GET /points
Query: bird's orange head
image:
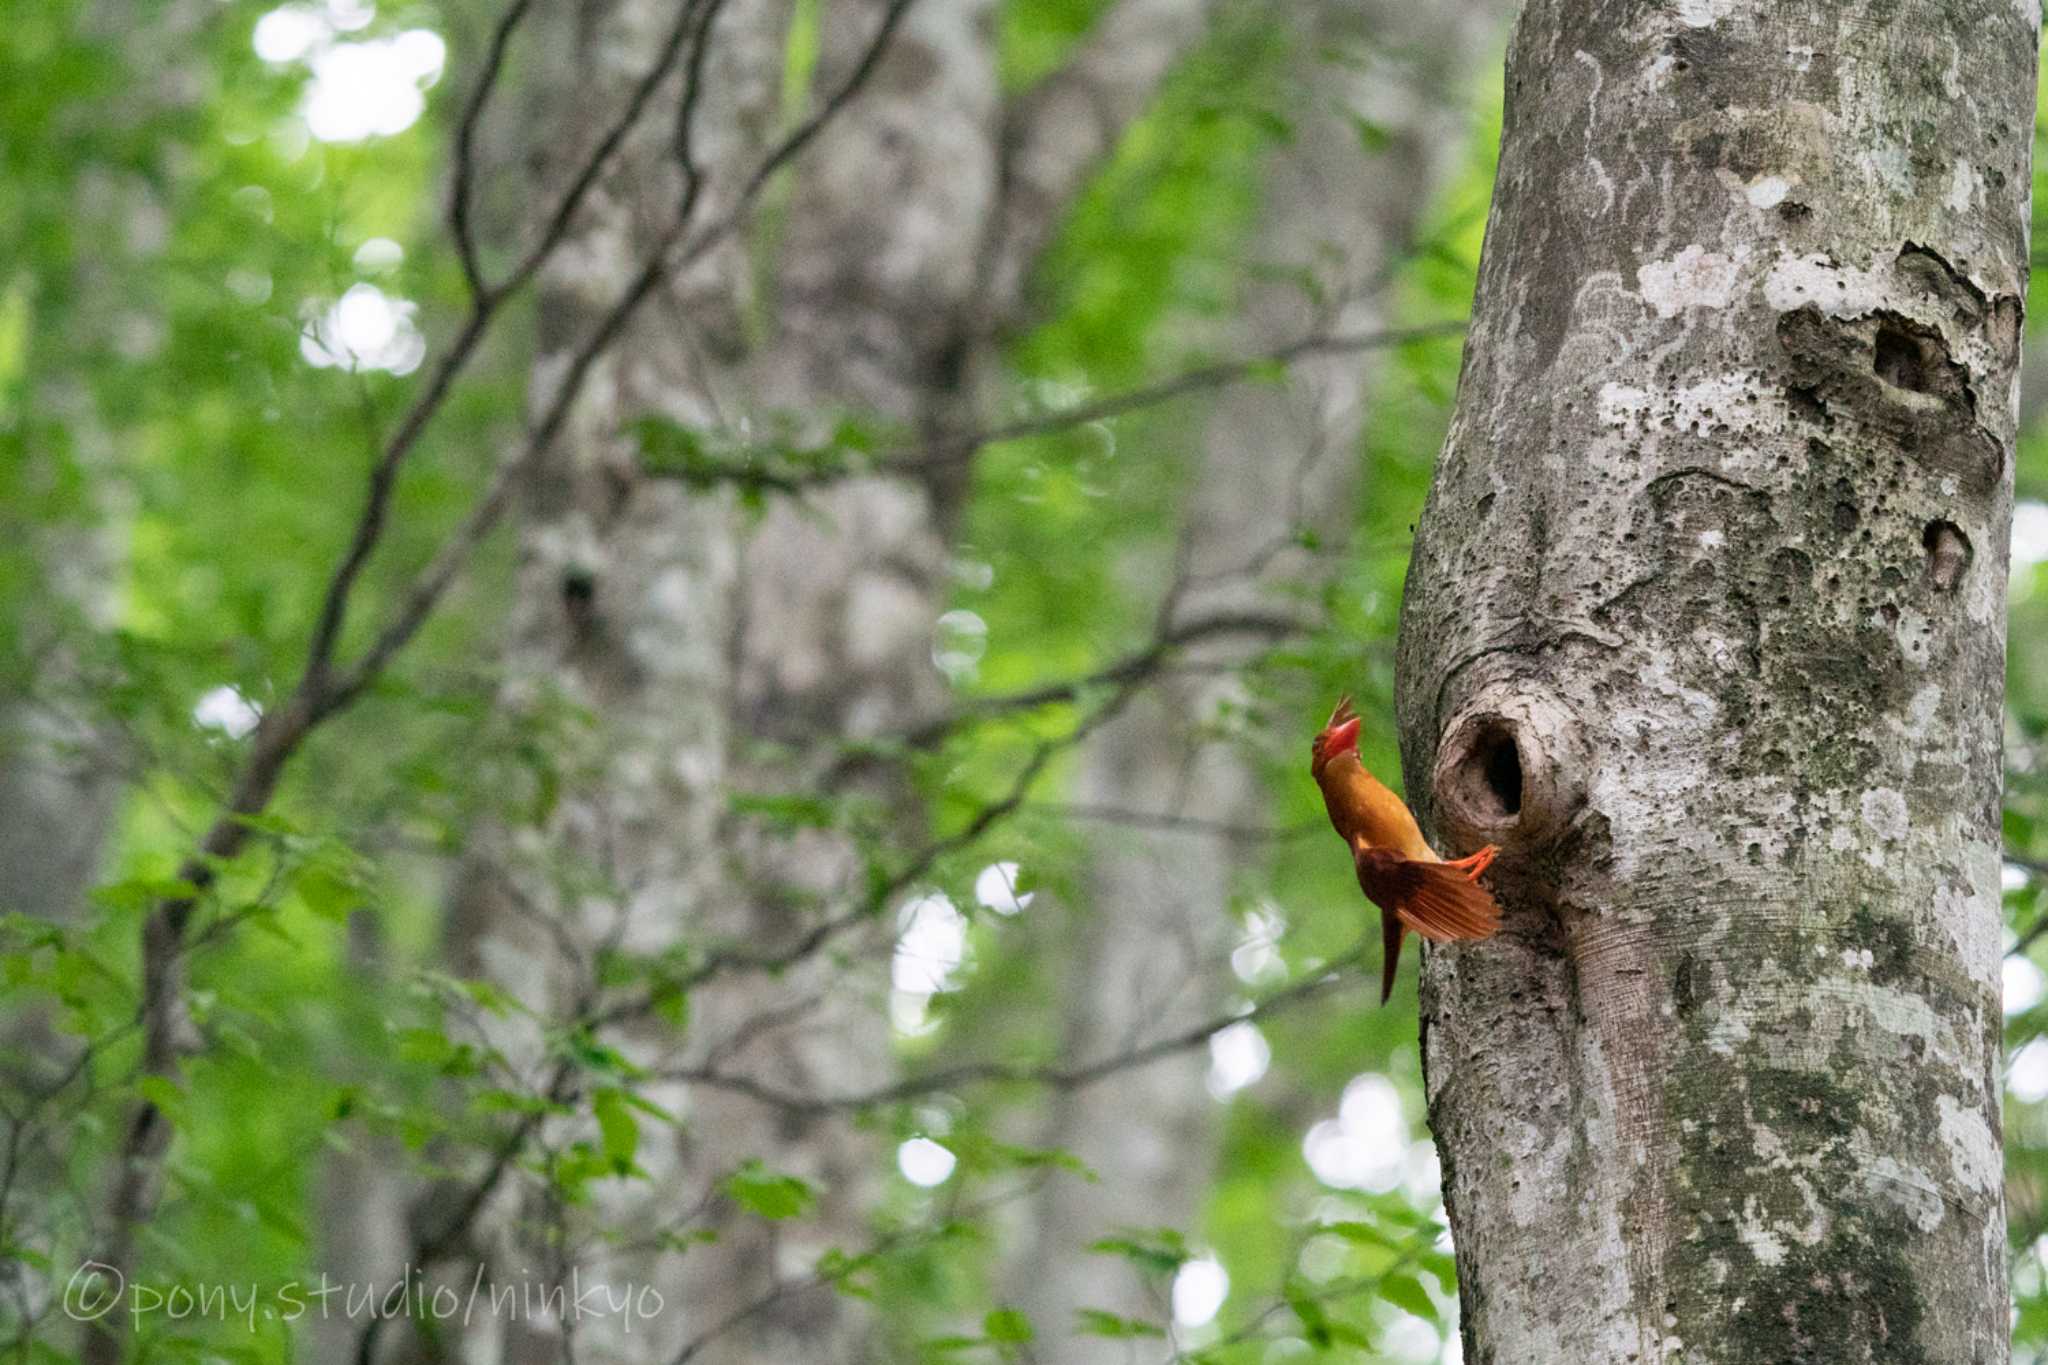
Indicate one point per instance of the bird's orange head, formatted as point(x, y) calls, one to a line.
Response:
point(1335, 739)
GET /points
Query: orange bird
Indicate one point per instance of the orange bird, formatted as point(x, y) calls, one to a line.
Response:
point(1397, 869)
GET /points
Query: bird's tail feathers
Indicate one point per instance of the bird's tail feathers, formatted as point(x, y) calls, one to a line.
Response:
point(1390, 958)
point(1448, 905)
point(1442, 902)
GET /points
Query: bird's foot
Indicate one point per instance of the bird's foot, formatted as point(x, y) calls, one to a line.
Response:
point(1476, 863)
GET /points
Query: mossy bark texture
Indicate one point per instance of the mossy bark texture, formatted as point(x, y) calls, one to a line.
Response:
point(1705, 626)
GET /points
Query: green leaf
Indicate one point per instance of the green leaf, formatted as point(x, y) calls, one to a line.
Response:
point(161, 1092)
point(494, 1100)
point(1342, 1333)
point(617, 1127)
point(1094, 1322)
point(673, 1005)
point(1406, 1292)
point(646, 1106)
point(1315, 1323)
point(1365, 1233)
point(269, 822)
point(787, 811)
point(1007, 1324)
point(950, 1345)
point(853, 434)
point(1272, 124)
point(672, 449)
point(583, 1047)
point(847, 1274)
point(140, 893)
point(28, 1256)
point(329, 894)
point(1372, 137)
point(769, 1194)
point(1157, 1251)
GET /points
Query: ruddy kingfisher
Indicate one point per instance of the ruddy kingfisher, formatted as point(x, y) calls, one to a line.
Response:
point(1414, 887)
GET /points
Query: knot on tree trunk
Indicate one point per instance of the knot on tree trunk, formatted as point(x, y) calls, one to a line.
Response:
point(1510, 770)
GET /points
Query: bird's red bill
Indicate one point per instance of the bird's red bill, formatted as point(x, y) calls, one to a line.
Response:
point(1340, 737)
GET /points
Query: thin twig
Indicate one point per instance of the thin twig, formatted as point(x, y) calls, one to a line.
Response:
point(426, 590)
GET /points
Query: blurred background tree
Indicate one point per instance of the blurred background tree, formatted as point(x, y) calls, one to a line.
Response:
point(830, 844)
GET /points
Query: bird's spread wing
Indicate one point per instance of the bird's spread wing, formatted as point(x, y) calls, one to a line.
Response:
point(1439, 901)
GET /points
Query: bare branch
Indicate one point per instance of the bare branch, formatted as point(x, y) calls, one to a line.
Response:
point(1133, 670)
point(801, 136)
point(564, 217)
point(484, 304)
point(954, 449)
point(762, 468)
point(1190, 824)
point(1133, 667)
point(465, 144)
point(1010, 1073)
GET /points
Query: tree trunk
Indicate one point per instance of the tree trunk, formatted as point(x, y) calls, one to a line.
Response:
point(1705, 626)
point(1149, 954)
point(694, 636)
point(616, 651)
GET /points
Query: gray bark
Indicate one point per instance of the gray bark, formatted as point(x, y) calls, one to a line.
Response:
point(59, 773)
point(1149, 950)
point(57, 792)
point(1705, 626)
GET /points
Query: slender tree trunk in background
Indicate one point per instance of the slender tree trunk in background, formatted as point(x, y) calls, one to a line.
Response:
point(58, 784)
point(909, 242)
point(1149, 953)
point(691, 636)
point(59, 780)
point(1705, 626)
point(623, 612)
point(833, 637)
point(64, 527)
